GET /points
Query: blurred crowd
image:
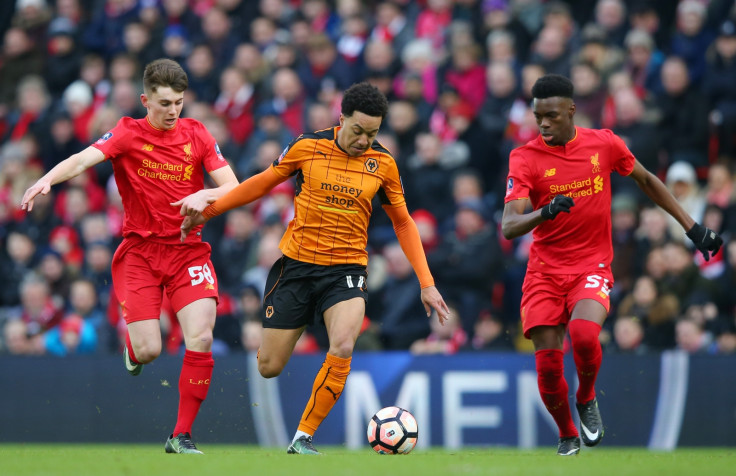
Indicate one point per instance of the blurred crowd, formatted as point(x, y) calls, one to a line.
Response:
point(458, 74)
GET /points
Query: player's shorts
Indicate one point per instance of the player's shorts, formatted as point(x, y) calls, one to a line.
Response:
point(549, 299)
point(142, 270)
point(297, 293)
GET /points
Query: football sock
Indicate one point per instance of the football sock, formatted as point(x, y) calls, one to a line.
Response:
point(586, 349)
point(326, 390)
point(553, 389)
point(194, 382)
point(131, 354)
point(298, 435)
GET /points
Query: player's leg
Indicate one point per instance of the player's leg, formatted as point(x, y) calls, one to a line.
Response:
point(197, 320)
point(553, 387)
point(590, 302)
point(142, 344)
point(276, 348)
point(140, 295)
point(544, 317)
point(192, 288)
point(343, 322)
point(584, 328)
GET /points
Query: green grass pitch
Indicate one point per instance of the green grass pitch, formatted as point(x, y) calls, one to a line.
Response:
point(222, 460)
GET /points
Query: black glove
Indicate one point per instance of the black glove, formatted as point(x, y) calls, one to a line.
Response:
point(559, 203)
point(705, 239)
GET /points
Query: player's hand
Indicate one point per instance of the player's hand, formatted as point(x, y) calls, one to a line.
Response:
point(190, 221)
point(194, 203)
point(559, 203)
point(432, 299)
point(705, 239)
point(43, 187)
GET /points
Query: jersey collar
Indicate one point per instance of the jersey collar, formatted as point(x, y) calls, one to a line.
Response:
point(563, 145)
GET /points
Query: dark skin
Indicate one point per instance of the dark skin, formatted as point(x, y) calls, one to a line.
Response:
point(556, 126)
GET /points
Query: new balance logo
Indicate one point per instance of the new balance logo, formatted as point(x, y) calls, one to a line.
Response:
point(550, 172)
point(147, 147)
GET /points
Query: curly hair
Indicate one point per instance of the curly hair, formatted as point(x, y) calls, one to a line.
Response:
point(365, 98)
point(552, 85)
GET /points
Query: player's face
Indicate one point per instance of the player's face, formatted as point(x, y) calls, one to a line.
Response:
point(164, 106)
point(357, 133)
point(554, 119)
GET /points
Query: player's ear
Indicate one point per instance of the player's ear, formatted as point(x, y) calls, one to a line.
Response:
point(144, 100)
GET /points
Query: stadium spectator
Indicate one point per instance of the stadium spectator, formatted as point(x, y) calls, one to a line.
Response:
point(692, 38)
point(32, 114)
point(203, 75)
point(656, 310)
point(19, 259)
point(682, 181)
point(628, 336)
point(53, 270)
point(104, 33)
point(64, 60)
point(490, 334)
point(467, 261)
point(398, 315)
point(391, 26)
point(445, 339)
point(235, 104)
point(73, 335)
point(683, 112)
point(21, 57)
point(719, 76)
point(643, 61)
point(638, 132)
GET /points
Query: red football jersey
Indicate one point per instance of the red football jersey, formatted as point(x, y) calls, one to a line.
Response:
point(154, 168)
point(581, 240)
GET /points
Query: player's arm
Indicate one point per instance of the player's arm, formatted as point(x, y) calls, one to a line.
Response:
point(244, 193)
point(660, 194)
point(516, 223)
point(224, 178)
point(408, 236)
point(74, 165)
point(705, 239)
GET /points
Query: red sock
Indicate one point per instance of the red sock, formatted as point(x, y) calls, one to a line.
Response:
point(586, 349)
point(553, 389)
point(131, 354)
point(194, 382)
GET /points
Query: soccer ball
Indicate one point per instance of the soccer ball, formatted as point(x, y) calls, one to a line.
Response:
point(392, 430)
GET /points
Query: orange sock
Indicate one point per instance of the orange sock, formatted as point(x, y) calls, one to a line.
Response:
point(327, 389)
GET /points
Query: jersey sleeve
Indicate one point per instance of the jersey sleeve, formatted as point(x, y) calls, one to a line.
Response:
point(518, 184)
point(290, 159)
point(623, 159)
point(115, 141)
point(391, 192)
point(212, 158)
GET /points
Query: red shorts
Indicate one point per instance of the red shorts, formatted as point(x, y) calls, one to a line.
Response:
point(142, 270)
point(548, 299)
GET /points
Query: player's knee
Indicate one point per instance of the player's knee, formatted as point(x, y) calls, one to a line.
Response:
point(146, 353)
point(344, 349)
point(200, 342)
point(268, 368)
